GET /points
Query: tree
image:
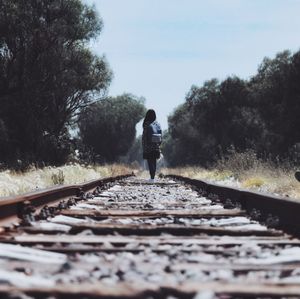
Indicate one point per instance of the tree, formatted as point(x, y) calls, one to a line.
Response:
point(292, 108)
point(261, 115)
point(47, 74)
point(214, 118)
point(108, 126)
point(270, 89)
point(135, 153)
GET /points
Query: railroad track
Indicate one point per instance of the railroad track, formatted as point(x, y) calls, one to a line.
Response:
point(126, 238)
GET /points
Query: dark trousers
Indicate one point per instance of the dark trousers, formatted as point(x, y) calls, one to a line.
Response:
point(152, 167)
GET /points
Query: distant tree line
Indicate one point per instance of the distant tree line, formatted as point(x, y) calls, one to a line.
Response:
point(50, 82)
point(107, 127)
point(47, 75)
point(261, 114)
point(48, 78)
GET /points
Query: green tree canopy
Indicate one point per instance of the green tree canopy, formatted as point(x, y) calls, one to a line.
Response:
point(108, 126)
point(261, 114)
point(47, 73)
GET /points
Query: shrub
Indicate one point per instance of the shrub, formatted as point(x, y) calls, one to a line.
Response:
point(58, 178)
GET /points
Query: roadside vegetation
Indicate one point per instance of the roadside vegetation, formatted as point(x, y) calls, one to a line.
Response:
point(13, 183)
point(52, 86)
point(260, 114)
point(242, 133)
point(55, 110)
point(247, 171)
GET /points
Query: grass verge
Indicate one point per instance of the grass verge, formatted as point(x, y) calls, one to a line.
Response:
point(245, 170)
point(13, 183)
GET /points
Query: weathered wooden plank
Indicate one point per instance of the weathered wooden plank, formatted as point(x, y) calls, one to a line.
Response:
point(149, 240)
point(156, 213)
point(16, 252)
point(233, 267)
point(145, 182)
point(167, 203)
point(140, 290)
point(140, 248)
point(97, 290)
point(275, 263)
point(243, 289)
point(174, 229)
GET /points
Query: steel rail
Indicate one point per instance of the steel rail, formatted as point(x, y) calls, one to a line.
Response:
point(11, 206)
point(260, 206)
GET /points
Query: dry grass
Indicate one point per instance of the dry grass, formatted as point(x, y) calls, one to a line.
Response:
point(225, 177)
point(12, 183)
point(247, 171)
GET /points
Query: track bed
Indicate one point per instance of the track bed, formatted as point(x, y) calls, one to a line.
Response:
point(141, 240)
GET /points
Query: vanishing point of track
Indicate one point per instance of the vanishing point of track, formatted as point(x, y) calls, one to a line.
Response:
point(126, 238)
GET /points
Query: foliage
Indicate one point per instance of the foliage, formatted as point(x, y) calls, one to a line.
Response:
point(261, 114)
point(254, 173)
point(108, 126)
point(47, 75)
point(135, 153)
point(253, 182)
point(12, 182)
point(238, 161)
point(58, 178)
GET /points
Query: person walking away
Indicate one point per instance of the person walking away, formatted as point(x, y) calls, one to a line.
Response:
point(151, 139)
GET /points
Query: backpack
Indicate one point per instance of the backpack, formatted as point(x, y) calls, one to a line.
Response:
point(155, 133)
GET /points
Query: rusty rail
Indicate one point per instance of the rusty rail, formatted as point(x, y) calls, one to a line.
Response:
point(283, 211)
point(12, 206)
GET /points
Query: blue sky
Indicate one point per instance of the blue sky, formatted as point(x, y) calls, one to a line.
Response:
point(159, 48)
